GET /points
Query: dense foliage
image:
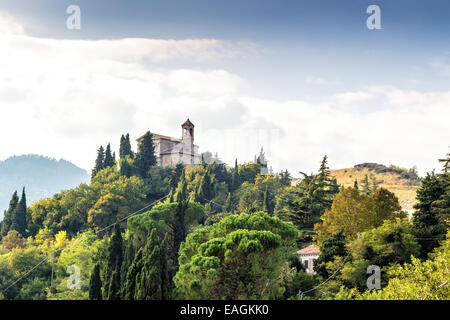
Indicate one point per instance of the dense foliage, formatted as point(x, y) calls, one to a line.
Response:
point(139, 231)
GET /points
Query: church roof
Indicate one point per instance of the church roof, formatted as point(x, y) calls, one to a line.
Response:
point(160, 136)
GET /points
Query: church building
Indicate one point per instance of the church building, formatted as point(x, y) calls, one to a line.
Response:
point(170, 151)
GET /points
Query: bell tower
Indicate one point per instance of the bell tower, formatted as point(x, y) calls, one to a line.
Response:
point(188, 130)
point(188, 140)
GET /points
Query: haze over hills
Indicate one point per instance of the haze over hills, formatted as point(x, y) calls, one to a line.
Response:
point(41, 176)
point(403, 182)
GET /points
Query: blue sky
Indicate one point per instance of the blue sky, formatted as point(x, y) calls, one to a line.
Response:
point(298, 59)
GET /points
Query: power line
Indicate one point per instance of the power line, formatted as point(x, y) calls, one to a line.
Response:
point(82, 238)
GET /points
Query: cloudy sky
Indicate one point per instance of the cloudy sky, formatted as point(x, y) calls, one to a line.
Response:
point(300, 78)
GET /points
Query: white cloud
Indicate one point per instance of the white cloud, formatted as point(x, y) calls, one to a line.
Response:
point(64, 98)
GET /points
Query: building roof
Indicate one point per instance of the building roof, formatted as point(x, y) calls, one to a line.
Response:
point(188, 123)
point(160, 136)
point(309, 250)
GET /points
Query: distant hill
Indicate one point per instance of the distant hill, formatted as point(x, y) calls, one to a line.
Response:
point(41, 176)
point(403, 182)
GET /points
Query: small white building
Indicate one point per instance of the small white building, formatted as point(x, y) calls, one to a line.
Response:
point(307, 256)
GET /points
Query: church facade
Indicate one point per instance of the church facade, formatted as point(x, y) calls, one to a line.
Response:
point(171, 151)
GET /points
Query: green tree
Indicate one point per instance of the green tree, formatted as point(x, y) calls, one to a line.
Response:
point(19, 215)
point(145, 157)
point(125, 147)
point(99, 161)
point(8, 216)
point(126, 166)
point(285, 178)
point(354, 212)
point(109, 160)
point(428, 224)
point(153, 278)
point(333, 246)
point(235, 178)
point(95, 284)
point(114, 263)
point(114, 286)
point(228, 206)
point(241, 257)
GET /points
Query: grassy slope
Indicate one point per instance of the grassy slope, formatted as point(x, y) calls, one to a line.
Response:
point(389, 180)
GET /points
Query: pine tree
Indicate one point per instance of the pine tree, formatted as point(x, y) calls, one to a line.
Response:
point(428, 225)
point(99, 162)
point(95, 284)
point(8, 216)
point(145, 158)
point(19, 216)
point(109, 159)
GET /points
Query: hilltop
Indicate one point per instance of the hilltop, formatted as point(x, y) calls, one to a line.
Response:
point(403, 182)
point(41, 176)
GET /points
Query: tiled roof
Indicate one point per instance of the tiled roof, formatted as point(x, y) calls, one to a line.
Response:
point(310, 250)
point(160, 136)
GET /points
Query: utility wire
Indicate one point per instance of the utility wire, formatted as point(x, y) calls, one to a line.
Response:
point(82, 238)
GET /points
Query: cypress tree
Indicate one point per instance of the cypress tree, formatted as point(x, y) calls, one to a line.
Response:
point(99, 162)
point(109, 159)
point(125, 147)
point(95, 284)
point(153, 277)
point(182, 204)
point(8, 216)
point(114, 286)
point(115, 258)
point(126, 167)
point(266, 206)
point(19, 216)
point(235, 179)
point(227, 207)
point(145, 158)
point(205, 191)
point(129, 289)
point(128, 258)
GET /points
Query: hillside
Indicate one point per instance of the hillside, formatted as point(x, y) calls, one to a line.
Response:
point(403, 182)
point(41, 177)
